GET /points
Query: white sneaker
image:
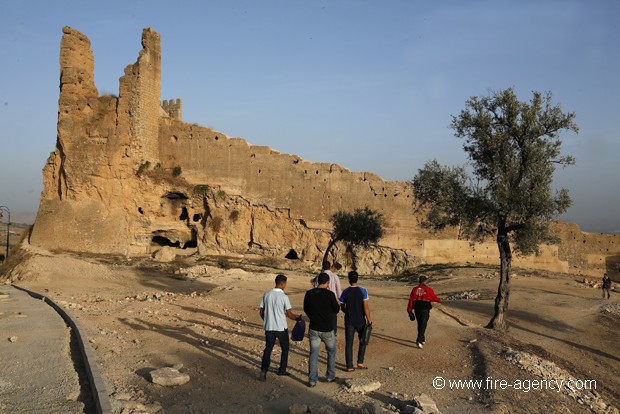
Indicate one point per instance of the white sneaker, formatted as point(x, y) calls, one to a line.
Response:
point(420, 345)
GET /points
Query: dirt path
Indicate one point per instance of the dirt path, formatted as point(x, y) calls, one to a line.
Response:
point(140, 320)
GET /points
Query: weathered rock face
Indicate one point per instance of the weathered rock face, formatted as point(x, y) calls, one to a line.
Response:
point(128, 176)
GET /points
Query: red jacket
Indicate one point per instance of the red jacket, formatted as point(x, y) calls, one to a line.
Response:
point(422, 293)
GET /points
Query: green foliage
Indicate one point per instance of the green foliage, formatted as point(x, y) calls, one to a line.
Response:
point(176, 171)
point(362, 227)
point(234, 215)
point(513, 148)
point(221, 195)
point(201, 189)
point(142, 168)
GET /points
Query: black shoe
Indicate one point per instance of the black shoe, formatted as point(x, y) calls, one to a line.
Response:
point(332, 379)
point(284, 374)
point(312, 384)
point(263, 376)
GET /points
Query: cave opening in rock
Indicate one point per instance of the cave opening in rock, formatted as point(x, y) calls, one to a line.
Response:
point(184, 214)
point(292, 255)
point(164, 241)
point(193, 243)
point(175, 196)
point(197, 217)
point(190, 244)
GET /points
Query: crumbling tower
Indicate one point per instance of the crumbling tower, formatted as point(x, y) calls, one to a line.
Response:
point(173, 108)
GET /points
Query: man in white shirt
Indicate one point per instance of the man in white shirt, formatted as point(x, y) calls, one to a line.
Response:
point(275, 307)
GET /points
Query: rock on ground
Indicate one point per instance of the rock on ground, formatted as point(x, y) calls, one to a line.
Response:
point(168, 377)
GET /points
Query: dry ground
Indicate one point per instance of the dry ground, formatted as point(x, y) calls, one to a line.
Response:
point(140, 316)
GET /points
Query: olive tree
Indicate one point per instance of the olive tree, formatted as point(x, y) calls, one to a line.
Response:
point(505, 190)
point(362, 227)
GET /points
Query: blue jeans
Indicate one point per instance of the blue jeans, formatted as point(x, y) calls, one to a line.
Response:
point(329, 338)
point(270, 341)
point(350, 331)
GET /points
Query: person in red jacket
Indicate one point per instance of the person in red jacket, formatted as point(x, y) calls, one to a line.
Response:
point(420, 307)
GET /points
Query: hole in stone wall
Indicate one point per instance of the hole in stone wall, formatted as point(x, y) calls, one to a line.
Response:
point(184, 214)
point(197, 217)
point(164, 241)
point(193, 243)
point(292, 255)
point(175, 196)
point(140, 210)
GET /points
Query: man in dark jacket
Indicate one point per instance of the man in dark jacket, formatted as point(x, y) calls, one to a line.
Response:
point(354, 303)
point(321, 306)
point(606, 286)
point(420, 307)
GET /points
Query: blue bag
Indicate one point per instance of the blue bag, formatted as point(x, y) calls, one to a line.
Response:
point(299, 331)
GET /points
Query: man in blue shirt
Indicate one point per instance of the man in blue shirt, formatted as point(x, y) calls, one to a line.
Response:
point(354, 301)
point(275, 307)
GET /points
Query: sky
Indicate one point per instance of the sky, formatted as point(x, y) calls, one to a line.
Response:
point(369, 85)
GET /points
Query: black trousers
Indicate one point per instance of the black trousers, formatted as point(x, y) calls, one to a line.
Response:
point(270, 341)
point(422, 315)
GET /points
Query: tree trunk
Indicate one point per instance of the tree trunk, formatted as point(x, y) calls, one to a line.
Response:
point(498, 322)
point(329, 248)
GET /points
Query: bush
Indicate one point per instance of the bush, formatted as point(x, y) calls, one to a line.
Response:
point(176, 171)
point(201, 189)
point(143, 167)
point(234, 215)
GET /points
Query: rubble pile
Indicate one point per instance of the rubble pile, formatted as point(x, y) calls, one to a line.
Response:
point(581, 390)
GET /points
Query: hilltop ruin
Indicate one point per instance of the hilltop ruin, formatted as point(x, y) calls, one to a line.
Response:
point(129, 177)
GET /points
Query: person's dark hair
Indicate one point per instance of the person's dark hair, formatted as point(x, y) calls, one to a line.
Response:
point(423, 279)
point(280, 279)
point(322, 278)
point(327, 265)
point(353, 276)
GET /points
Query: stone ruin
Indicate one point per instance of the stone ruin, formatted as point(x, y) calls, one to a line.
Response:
point(129, 177)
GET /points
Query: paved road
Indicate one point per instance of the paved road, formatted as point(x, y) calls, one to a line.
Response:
point(37, 373)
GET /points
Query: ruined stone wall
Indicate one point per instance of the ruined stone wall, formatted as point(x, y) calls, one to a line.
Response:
point(173, 108)
point(89, 180)
point(589, 253)
point(144, 79)
point(110, 187)
point(312, 192)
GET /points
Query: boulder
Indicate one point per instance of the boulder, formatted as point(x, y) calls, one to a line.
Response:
point(362, 385)
point(168, 377)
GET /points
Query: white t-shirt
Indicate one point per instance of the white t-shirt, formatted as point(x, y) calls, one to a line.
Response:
point(275, 303)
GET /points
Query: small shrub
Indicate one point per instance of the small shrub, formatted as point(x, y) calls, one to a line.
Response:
point(201, 189)
point(176, 171)
point(234, 215)
point(142, 168)
point(221, 194)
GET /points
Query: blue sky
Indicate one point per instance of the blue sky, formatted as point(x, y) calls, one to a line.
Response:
point(370, 85)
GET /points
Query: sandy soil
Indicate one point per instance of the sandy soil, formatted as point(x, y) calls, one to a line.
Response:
point(142, 316)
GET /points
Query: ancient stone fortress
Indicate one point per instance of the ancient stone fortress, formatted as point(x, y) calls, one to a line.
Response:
point(129, 177)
